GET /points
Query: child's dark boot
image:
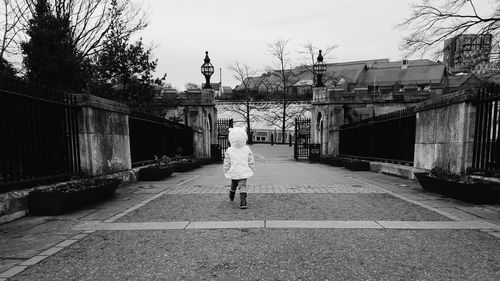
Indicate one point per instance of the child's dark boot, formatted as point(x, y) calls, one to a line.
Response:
point(232, 192)
point(243, 200)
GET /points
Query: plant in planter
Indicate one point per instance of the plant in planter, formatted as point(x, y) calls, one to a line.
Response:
point(186, 164)
point(462, 187)
point(59, 198)
point(356, 165)
point(332, 161)
point(206, 161)
point(163, 168)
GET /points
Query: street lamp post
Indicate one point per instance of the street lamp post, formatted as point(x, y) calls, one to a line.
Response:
point(319, 68)
point(207, 69)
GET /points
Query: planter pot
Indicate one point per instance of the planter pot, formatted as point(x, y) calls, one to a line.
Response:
point(204, 161)
point(356, 165)
point(155, 173)
point(477, 192)
point(64, 198)
point(332, 161)
point(182, 167)
point(208, 161)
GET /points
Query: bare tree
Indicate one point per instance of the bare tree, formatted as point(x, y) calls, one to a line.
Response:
point(274, 117)
point(243, 74)
point(283, 66)
point(11, 27)
point(90, 21)
point(249, 111)
point(431, 23)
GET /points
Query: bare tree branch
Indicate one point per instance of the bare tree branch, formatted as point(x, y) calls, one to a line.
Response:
point(11, 27)
point(431, 23)
point(295, 110)
point(90, 21)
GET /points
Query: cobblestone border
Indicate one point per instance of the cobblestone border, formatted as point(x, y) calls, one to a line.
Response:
point(185, 225)
point(281, 188)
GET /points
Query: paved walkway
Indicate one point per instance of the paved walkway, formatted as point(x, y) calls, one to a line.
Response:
point(304, 222)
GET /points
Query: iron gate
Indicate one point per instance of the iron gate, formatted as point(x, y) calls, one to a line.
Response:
point(222, 144)
point(302, 138)
point(486, 155)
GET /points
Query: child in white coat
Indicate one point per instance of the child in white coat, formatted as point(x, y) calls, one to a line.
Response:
point(239, 164)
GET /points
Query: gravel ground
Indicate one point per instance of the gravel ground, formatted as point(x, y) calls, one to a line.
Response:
point(216, 207)
point(264, 254)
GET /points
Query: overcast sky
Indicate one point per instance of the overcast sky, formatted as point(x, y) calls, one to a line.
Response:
point(230, 30)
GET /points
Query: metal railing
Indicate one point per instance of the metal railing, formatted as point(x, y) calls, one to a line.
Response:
point(486, 153)
point(388, 137)
point(223, 126)
point(301, 147)
point(151, 137)
point(38, 133)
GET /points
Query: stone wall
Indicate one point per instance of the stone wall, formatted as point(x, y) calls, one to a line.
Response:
point(103, 135)
point(445, 132)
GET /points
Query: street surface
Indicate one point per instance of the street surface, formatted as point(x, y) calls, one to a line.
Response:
point(303, 222)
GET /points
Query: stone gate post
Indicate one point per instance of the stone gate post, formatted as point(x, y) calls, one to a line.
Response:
point(198, 108)
point(444, 134)
point(103, 135)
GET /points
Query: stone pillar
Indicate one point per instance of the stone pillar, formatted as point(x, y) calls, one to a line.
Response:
point(332, 116)
point(103, 135)
point(335, 120)
point(444, 134)
point(318, 118)
point(201, 115)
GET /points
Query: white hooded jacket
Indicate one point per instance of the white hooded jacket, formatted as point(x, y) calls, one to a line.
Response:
point(238, 159)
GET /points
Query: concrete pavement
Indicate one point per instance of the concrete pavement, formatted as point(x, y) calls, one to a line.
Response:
point(304, 222)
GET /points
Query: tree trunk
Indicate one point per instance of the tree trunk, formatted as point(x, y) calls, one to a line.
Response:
point(249, 130)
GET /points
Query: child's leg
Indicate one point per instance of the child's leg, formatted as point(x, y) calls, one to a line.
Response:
point(242, 184)
point(234, 185)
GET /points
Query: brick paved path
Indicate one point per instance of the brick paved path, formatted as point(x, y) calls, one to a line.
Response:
point(304, 222)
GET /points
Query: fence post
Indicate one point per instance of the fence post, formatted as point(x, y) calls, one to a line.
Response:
point(104, 135)
point(446, 142)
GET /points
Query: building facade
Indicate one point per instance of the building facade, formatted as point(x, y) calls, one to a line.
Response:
point(378, 88)
point(465, 52)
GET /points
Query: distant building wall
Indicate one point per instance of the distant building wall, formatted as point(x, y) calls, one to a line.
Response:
point(464, 52)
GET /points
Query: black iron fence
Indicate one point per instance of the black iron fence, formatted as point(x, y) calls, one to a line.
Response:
point(152, 137)
point(388, 137)
point(223, 126)
point(486, 153)
point(301, 147)
point(38, 135)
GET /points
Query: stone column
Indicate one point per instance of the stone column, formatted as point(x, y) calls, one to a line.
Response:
point(444, 134)
point(335, 120)
point(199, 106)
point(103, 136)
point(332, 114)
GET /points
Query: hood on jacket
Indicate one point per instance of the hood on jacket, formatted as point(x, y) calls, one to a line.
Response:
point(237, 137)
